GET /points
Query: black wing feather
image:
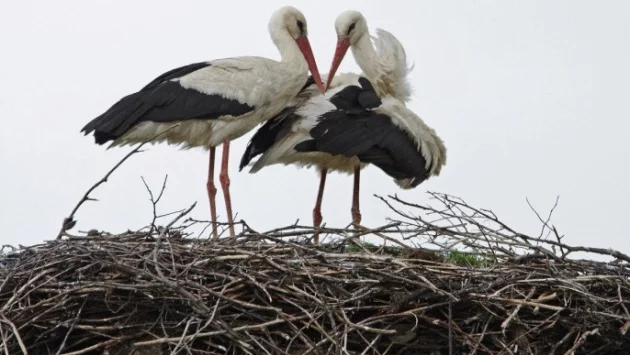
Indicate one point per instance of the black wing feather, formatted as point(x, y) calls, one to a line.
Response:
point(162, 100)
point(368, 98)
point(353, 129)
point(339, 133)
point(272, 130)
point(176, 73)
point(268, 134)
point(374, 139)
point(354, 99)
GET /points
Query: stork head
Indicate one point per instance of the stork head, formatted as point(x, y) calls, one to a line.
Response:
point(290, 20)
point(350, 27)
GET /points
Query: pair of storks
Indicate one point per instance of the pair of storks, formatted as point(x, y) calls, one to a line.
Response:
point(354, 121)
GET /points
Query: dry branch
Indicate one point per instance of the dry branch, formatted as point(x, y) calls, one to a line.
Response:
point(69, 222)
point(458, 281)
point(483, 289)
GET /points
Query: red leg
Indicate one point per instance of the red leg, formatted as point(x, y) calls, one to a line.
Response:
point(212, 192)
point(317, 211)
point(225, 184)
point(356, 213)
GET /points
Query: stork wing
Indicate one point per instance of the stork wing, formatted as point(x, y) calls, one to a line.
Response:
point(175, 73)
point(355, 130)
point(276, 128)
point(187, 92)
point(373, 138)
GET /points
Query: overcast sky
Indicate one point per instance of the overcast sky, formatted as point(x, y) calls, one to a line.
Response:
point(531, 98)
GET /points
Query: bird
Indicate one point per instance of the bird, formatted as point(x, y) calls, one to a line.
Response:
point(382, 58)
point(354, 123)
point(345, 130)
point(209, 103)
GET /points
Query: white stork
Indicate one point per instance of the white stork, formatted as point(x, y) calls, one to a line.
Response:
point(385, 65)
point(354, 124)
point(215, 102)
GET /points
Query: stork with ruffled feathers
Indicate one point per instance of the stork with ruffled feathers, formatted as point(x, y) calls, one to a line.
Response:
point(360, 120)
point(382, 58)
point(215, 102)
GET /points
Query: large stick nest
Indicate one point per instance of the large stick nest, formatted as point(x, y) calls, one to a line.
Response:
point(159, 290)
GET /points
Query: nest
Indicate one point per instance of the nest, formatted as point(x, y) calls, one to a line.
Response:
point(475, 287)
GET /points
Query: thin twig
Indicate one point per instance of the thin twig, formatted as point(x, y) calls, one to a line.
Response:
point(69, 222)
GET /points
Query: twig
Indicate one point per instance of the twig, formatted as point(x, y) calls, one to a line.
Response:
point(71, 328)
point(16, 333)
point(483, 288)
point(69, 222)
point(581, 341)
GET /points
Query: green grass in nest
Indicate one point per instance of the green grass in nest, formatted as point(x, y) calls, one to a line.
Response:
point(455, 257)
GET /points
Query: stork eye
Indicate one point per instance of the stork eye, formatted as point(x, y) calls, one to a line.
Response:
point(351, 27)
point(300, 25)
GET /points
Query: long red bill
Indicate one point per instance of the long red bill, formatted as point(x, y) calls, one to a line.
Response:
point(307, 52)
point(343, 43)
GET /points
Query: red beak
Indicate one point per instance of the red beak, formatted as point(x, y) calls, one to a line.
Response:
point(307, 52)
point(343, 43)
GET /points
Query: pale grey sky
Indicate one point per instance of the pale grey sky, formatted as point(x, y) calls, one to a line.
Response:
point(531, 98)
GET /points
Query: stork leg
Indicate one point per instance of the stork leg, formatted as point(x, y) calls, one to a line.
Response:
point(225, 185)
point(212, 192)
point(356, 212)
point(317, 211)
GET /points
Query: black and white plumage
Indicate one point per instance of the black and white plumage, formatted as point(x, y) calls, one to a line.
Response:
point(349, 123)
point(346, 129)
point(314, 127)
point(214, 102)
point(158, 105)
point(370, 136)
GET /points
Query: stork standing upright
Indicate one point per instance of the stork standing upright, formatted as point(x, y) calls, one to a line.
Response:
point(354, 123)
point(215, 102)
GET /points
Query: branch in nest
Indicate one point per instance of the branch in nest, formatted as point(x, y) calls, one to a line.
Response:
point(69, 222)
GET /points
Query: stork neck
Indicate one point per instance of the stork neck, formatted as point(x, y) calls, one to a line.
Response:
point(290, 53)
point(365, 56)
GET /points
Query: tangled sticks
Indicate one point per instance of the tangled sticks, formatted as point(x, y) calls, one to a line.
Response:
point(159, 291)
